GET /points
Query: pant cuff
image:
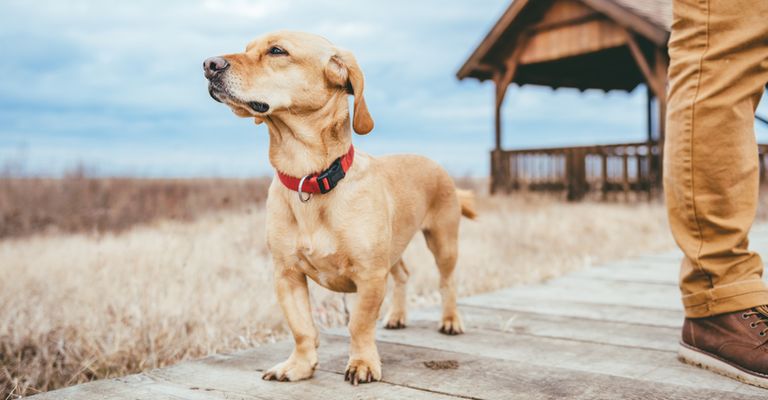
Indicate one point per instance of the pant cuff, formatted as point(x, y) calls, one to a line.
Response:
point(727, 298)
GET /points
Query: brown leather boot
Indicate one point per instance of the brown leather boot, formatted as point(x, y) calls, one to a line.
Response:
point(733, 344)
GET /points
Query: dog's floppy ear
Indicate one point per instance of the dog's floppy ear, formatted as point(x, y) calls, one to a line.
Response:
point(342, 70)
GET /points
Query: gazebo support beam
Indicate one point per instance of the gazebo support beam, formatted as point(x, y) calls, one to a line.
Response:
point(655, 75)
point(660, 71)
point(502, 79)
point(651, 78)
point(649, 113)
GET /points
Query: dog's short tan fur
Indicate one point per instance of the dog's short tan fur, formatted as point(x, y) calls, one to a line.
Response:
point(351, 238)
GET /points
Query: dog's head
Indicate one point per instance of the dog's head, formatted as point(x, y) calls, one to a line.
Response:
point(287, 72)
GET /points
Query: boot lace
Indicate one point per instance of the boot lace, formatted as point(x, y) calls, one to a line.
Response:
point(762, 318)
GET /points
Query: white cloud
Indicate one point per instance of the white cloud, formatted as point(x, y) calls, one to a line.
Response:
point(116, 81)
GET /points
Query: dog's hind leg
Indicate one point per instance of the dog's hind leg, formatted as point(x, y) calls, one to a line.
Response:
point(442, 239)
point(397, 309)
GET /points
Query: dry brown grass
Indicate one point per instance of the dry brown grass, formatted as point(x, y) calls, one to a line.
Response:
point(78, 203)
point(76, 307)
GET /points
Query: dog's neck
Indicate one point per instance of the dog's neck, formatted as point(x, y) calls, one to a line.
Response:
point(303, 143)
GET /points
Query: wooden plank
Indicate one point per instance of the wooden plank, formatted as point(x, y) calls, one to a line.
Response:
point(598, 292)
point(600, 312)
point(619, 361)
point(632, 273)
point(241, 376)
point(654, 272)
point(489, 378)
point(627, 18)
point(238, 376)
point(563, 11)
point(405, 376)
point(670, 257)
point(582, 37)
point(132, 387)
point(619, 333)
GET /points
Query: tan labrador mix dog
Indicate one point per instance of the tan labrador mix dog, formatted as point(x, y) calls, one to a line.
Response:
point(340, 217)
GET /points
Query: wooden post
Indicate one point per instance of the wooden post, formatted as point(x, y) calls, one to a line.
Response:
point(656, 79)
point(649, 113)
point(576, 180)
point(650, 174)
point(494, 170)
point(605, 175)
point(651, 76)
point(502, 78)
point(640, 182)
point(625, 174)
point(583, 184)
point(661, 65)
point(498, 101)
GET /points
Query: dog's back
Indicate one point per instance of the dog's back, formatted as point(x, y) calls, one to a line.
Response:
point(415, 180)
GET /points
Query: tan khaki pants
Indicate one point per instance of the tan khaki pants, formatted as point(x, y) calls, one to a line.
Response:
point(718, 69)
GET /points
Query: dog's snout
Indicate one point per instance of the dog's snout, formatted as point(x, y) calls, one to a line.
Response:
point(214, 66)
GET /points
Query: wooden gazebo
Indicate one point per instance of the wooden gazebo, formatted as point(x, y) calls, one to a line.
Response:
point(582, 44)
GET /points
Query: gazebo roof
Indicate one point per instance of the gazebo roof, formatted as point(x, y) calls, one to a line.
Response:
point(657, 12)
point(573, 43)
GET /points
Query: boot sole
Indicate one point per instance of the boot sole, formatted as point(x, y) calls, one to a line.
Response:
point(699, 358)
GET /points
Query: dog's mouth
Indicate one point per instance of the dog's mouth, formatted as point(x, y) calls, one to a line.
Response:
point(215, 92)
point(222, 95)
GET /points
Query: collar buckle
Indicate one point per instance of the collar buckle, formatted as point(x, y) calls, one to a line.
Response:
point(328, 179)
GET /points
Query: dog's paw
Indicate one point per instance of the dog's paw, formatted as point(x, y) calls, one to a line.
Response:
point(395, 320)
point(452, 325)
point(361, 371)
point(290, 370)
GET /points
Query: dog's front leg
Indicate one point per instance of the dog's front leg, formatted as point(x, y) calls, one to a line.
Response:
point(364, 364)
point(293, 295)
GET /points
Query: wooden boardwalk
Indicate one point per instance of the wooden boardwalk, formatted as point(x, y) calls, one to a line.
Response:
point(608, 332)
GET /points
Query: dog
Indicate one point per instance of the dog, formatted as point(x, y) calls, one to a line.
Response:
point(334, 214)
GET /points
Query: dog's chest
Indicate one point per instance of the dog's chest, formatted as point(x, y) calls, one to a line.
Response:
point(322, 259)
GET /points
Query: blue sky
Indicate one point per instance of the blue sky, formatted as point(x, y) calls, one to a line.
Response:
point(118, 85)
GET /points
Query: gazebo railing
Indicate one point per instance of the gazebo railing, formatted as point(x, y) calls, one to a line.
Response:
point(627, 170)
point(616, 168)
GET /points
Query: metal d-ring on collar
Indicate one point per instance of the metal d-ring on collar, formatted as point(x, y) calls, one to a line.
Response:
point(299, 192)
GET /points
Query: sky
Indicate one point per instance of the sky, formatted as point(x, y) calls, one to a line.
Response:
point(117, 86)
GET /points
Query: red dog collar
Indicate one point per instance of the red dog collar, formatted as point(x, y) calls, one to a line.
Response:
point(322, 182)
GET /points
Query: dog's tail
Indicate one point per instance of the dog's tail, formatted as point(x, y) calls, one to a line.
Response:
point(467, 202)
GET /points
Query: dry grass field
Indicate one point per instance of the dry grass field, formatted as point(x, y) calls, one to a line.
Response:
point(78, 203)
point(77, 306)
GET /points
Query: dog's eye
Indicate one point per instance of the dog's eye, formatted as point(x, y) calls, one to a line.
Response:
point(275, 50)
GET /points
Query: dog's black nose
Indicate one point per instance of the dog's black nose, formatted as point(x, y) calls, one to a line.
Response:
point(214, 66)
